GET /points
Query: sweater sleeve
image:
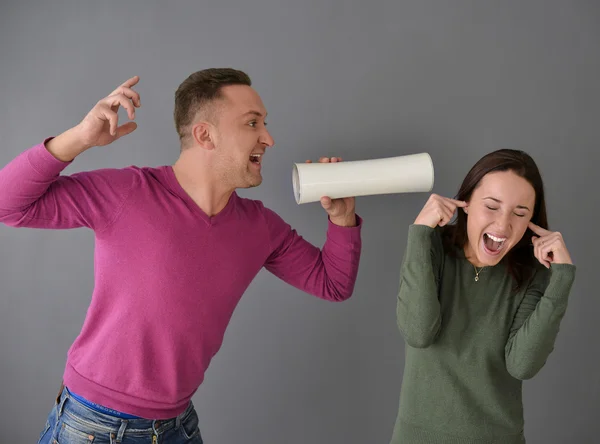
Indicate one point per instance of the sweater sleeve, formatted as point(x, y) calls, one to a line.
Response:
point(329, 273)
point(418, 307)
point(537, 320)
point(33, 193)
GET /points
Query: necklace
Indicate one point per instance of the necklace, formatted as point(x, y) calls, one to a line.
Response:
point(477, 272)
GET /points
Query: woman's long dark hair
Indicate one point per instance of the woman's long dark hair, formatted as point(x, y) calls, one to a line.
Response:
point(520, 259)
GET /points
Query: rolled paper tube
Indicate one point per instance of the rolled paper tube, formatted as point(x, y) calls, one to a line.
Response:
point(402, 174)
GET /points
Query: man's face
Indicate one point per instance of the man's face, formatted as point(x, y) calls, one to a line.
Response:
point(498, 213)
point(241, 137)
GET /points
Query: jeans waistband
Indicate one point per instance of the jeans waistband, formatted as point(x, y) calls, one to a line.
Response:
point(107, 423)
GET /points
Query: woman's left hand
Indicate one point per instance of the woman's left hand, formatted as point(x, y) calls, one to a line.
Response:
point(549, 246)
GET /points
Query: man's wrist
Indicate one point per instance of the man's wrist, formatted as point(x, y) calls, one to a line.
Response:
point(66, 146)
point(344, 221)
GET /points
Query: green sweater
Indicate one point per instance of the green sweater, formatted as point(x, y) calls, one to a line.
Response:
point(470, 344)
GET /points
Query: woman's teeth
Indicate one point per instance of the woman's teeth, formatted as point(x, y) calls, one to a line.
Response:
point(493, 243)
point(496, 239)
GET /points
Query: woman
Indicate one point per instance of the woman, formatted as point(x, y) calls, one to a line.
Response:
point(479, 305)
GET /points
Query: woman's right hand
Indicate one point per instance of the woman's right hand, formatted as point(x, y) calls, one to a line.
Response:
point(438, 210)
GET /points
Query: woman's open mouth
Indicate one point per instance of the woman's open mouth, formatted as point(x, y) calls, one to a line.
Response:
point(493, 244)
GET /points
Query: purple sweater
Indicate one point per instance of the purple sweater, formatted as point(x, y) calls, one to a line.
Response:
point(167, 276)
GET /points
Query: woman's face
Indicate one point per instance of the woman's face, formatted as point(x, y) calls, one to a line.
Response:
point(497, 216)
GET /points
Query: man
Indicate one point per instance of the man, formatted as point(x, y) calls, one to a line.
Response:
point(176, 248)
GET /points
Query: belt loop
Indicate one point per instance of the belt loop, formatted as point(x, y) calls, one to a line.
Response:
point(177, 421)
point(61, 404)
point(60, 391)
point(121, 430)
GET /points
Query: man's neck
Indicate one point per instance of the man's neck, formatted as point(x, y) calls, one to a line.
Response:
point(206, 190)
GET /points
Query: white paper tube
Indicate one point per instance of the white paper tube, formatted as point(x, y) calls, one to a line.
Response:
point(402, 174)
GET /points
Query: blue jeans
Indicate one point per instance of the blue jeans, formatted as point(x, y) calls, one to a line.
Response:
point(71, 422)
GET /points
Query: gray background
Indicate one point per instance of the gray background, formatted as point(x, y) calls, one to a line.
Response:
point(455, 79)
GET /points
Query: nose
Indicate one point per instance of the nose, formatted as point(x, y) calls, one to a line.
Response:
point(266, 138)
point(504, 221)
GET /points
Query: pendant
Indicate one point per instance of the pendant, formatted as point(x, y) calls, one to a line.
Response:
point(476, 278)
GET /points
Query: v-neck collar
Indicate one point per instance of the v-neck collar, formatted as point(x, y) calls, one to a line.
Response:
point(176, 188)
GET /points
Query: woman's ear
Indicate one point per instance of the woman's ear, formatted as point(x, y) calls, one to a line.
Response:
point(466, 209)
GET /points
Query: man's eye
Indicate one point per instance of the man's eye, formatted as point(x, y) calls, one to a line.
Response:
point(252, 124)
